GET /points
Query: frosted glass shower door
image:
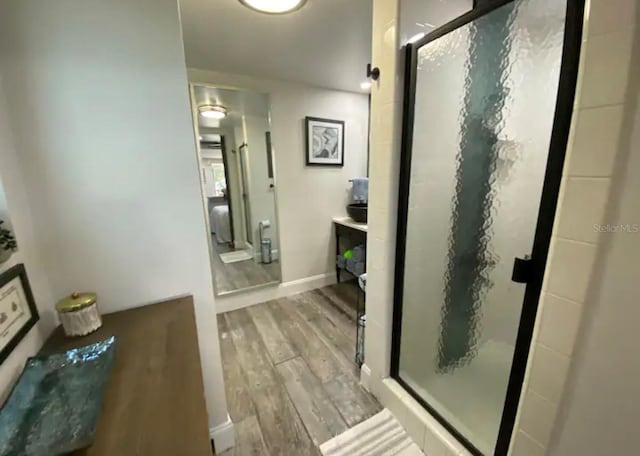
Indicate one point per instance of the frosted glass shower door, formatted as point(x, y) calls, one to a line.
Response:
point(485, 97)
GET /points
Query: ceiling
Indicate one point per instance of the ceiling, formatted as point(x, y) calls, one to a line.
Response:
point(239, 103)
point(327, 43)
point(419, 17)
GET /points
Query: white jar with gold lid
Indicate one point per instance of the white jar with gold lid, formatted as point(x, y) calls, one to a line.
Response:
point(79, 314)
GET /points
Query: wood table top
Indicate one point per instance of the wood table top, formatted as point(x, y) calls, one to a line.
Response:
point(154, 403)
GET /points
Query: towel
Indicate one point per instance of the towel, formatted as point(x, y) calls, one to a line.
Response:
point(362, 281)
point(358, 253)
point(360, 191)
point(355, 267)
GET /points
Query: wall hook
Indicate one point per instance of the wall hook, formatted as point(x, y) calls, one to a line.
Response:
point(373, 73)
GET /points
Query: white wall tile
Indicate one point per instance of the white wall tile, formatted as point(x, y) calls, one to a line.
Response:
point(559, 323)
point(388, 88)
point(433, 443)
point(394, 398)
point(583, 207)
point(606, 68)
point(385, 11)
point(591, 153)
point(610, 15)
point(378, 191)
point(414, 422)
point(375, 382)
point(526, 446)
point(378, 301)
point(538, 416)
point(597, 133)
point(455, 448)
point(377, 348)
point(377, 253)
point(548, 373)
point(376, 220)
point(570, 268)
point(388, 124)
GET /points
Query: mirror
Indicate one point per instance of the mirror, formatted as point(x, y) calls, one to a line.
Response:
point(237, 174)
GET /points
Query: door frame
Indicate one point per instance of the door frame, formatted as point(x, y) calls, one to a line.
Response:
point(546, 213)
point(225, 163)
point(246, 192)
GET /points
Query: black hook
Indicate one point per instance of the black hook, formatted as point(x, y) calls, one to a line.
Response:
point(373, 73)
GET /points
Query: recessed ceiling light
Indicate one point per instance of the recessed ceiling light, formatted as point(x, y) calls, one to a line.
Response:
point(366, 85)
point(213, 111)
point(274, 6)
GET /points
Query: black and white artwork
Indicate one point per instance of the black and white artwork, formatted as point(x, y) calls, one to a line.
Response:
point(325, 141)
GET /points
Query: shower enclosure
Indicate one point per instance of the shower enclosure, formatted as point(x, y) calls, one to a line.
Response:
point(487, 110)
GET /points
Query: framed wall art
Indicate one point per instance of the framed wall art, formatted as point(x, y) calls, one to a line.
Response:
point(18, 311)
point(324, 142)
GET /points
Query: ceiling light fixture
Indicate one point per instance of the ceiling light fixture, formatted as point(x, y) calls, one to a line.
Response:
point(274, 6)
point(213, 111)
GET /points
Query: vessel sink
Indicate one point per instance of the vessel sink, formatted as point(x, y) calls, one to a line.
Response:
point(358, 212)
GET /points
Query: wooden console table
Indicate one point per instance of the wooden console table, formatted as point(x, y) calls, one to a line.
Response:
point(154, 403)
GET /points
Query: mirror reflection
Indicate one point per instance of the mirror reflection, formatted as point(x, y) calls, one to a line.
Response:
point(236, 163)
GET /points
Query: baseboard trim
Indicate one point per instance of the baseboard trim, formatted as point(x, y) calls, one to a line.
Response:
point(250, 298)
point(223, 436)
point(365, 377)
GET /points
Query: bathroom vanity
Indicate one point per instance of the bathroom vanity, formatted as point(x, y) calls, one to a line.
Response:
point(348, 232)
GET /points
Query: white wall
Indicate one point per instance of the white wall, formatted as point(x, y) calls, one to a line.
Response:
point(98, 99)
point(22, 222)
point(307, 197)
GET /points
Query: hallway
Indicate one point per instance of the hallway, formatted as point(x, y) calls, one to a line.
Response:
point(290, 378)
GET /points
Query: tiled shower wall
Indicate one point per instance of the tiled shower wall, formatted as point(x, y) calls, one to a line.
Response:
point(584, 203)
point(584, 199)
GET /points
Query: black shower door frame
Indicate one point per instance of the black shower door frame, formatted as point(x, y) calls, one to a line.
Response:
point(546, 213)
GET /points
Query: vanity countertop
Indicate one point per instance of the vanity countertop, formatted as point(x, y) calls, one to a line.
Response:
point(349, 222)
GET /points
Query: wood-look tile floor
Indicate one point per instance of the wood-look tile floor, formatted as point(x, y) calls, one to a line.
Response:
point(289, 370)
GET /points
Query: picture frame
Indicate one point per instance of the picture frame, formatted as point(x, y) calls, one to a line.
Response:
point(324, 140)
point(18, 311)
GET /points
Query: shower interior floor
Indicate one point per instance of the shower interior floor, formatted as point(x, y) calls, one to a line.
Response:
point(471, 397)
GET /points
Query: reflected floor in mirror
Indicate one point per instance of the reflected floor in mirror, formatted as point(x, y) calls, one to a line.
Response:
point(230, 277)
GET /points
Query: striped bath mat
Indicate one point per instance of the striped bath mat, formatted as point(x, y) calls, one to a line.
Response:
point(380, 435)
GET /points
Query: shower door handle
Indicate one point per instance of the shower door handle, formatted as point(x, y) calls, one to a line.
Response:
point(522, 269)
